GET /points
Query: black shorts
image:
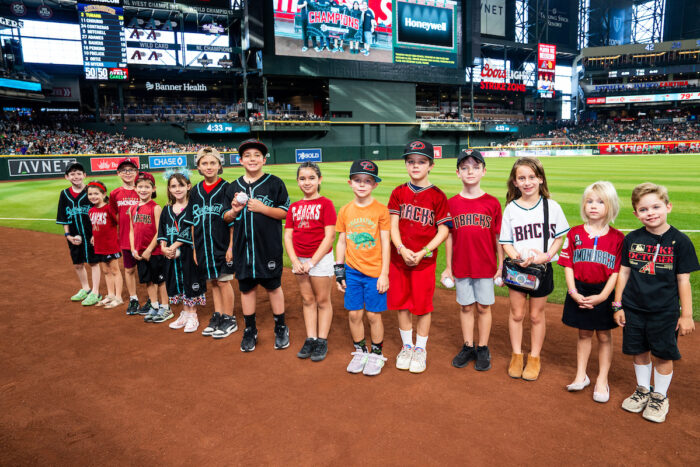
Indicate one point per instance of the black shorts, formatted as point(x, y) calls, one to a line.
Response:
point(152, 270)
point(269, 283)
point(108, 258)
point(655, 332)
point(183, 278)
point(546, 286)
point(600, 318)
point(83, 253)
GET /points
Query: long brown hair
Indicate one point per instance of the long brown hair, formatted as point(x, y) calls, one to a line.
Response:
point(536, 166)
point(184, 181)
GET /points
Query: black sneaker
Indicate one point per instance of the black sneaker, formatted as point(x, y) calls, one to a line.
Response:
point(213, 323)
point(227, 325)
point(466, 355)
point(250, 338)
point(281, 337)
point(133, 308)
point(320, 350)
point(307, 349)
point(483, 358)
point(146, 308)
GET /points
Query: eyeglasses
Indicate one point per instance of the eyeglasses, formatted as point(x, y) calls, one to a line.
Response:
point(128, 171)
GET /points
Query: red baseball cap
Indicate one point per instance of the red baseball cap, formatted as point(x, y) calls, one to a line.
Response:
point(146, 176)
point(128, 160)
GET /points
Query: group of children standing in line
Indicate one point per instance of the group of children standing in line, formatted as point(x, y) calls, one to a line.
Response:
point(385, 259)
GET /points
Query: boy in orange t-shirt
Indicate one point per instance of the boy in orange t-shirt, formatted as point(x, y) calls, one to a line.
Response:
point(362, 265)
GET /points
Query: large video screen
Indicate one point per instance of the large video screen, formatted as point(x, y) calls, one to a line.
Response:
point(414, 32)
point(51, 43)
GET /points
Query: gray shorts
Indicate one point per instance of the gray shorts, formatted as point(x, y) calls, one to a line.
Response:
point(475, 290)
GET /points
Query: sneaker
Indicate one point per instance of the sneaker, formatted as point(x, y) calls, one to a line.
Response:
point(115, 302)
point(318, 49)
point(358, 362)
point(403, 359)
point(418, 360)
point(320, 351)
point(150, 316)
point(657, 408)
point(91, 299)
point(146, 308)
point(227, 326)
point(164, 314)
point(192, 323)
point(483, 358)
point(105, 301)
point(374, 365)
point(250, 338)
point(133, 308)
point(281, 337)
point(304, 49)
point(213, 323)
point(180, 322)
point(465, 355)
point(307, 349)
point(637, 401)
point(80, 296)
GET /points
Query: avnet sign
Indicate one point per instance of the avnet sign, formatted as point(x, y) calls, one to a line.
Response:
point(308, 155)
point(188, 87)
point(39, 166)
point(157, 162)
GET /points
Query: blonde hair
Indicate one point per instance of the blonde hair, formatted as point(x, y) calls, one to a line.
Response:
point(536, 166)
point(605, 191)
point(646, 189)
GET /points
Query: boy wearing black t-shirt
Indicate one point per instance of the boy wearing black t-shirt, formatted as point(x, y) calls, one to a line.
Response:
point(657, 260)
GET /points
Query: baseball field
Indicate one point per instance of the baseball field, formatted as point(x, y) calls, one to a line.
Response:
point(32, 205)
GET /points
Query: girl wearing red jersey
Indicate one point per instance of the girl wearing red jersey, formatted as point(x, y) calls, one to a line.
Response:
point(104, 241)
point(308, 238)
point(592, 260)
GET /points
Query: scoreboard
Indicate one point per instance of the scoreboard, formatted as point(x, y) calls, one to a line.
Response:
point(103, 41)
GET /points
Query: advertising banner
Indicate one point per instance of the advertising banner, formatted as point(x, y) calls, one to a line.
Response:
point(546, 70)
point(493, 17)
point(307, 155)
point(649, 147)
point(28, 167)
point(437, 152)
point(106, 164)
point(645, 98)
point(162, 162)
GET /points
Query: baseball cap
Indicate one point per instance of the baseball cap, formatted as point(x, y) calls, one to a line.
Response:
point(420, 147)
point(74, 166)
point(146, 176)
point(128, 160)
point(364, 166)
point(253, 143)
point(208, 151)
point(473, 153)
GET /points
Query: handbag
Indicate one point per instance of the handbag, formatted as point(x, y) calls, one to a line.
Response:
point(527, 279)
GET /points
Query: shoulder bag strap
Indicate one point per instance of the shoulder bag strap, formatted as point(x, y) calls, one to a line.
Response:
point(545, 208)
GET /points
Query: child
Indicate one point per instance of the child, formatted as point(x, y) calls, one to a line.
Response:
point(591, 256)
point(362, 265)
point(259, 203)
point(120, 200)
point(308, 237)
point(182, 280)
point(205, 229)
point(73, 214)
point(657, 260)
point(474, 257)
point(143, 222)
point(419, 224)
point(105, 242)
point(522, 237)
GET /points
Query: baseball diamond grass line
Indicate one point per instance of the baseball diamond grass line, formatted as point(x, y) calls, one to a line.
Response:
point(566, 176)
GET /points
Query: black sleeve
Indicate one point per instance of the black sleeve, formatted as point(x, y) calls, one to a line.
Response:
point(162, 228)
point(685, 255)
point(282, 200)
point(625, 259)
point(61, 217)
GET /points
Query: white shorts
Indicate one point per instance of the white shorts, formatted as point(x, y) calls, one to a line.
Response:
point(475, 290)
point(324, 268)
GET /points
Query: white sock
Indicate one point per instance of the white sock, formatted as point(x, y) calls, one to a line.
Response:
point(421, 341)
point(154, 305)
point(407, 337)
point(662, 382)
point(643, 373)
point(133, 297)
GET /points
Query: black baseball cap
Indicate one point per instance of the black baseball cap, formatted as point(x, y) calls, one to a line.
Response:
point(473, 153)
point(253, 143)
point(74, 166)
point(364, 166)
point(420, 147)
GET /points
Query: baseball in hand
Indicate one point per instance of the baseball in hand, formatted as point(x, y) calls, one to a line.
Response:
point(498, 282)
point(78, 238)
point(177, 253)
point(447, 282)
point(242, 198)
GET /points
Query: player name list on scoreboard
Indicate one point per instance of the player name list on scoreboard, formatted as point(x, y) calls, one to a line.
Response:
point(102, 36)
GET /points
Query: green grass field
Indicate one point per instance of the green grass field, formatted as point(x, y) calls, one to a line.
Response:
point(566, 176)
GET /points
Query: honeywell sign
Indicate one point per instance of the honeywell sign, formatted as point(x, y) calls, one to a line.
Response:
point(165, 87)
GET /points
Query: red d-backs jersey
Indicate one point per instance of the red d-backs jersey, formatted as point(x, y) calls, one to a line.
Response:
point(120, 200)
point(421, 211)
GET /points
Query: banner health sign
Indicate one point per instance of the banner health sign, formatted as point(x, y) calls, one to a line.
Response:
point(308, 155)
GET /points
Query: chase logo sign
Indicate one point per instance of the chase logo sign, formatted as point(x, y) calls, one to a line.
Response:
point(308, 155)
point(156, 162)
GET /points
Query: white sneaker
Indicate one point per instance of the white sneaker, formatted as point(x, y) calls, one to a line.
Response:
point(418, 360)
point(180, 322)
point(403, 359)
point(358, 362)
point(192, 323)
point(374, 365)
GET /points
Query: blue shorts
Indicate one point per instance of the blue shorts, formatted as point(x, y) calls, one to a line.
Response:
point(361, 292)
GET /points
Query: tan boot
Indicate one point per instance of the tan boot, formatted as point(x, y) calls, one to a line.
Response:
point(515, 369)
point(532, 369)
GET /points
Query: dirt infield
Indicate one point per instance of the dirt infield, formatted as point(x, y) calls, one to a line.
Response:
point(88, 386)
